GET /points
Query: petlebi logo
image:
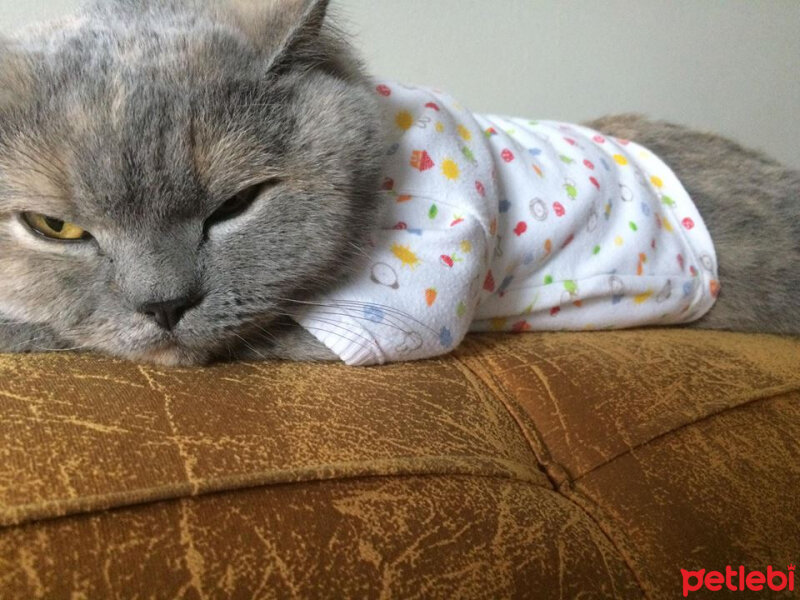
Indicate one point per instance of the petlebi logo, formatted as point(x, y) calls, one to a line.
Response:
point(738, 580)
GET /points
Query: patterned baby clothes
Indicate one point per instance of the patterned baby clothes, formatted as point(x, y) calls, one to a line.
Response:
point(506, 224)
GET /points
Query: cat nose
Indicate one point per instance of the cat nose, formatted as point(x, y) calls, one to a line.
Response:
point(168, 314)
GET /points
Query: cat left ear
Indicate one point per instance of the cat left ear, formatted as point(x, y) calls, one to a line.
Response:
point(281, 27)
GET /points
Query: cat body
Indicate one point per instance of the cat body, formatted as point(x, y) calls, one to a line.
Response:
point(177, 181)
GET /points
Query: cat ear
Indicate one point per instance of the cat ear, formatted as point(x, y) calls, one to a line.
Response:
point(284, 28)
point(15, 76)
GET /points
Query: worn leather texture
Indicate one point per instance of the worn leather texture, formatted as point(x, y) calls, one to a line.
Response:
point(557, 465)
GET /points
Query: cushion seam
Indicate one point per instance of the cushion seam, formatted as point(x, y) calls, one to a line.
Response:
point(554, 470)
point(765, 395)
point(485, 467)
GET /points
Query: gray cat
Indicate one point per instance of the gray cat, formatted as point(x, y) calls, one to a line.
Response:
point(156, 123)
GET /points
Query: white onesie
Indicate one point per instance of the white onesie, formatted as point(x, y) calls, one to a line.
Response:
point(505, 224)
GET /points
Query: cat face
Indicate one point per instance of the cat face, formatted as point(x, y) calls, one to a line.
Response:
point(207, 168)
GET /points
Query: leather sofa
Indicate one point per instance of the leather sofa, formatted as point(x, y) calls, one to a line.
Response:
point(558, 465)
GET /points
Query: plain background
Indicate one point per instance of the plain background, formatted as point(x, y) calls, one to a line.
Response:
point(731, 66)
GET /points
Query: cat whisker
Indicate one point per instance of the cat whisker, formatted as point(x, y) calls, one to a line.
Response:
point(361, 305)
point(343, 327)
point(356, 313)
point(361, 344)
point(360, 250)
point(251, 347)
point(263, 330)
point(387, 323)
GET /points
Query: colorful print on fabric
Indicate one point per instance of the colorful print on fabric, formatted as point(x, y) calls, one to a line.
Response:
point(504, 224)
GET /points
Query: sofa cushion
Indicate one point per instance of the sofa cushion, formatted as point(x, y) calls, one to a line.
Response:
point(377, 537)
point(82, 433)
point(555, 465)
point(598, 395)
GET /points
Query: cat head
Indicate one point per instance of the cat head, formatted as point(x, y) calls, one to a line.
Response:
point(174, 174)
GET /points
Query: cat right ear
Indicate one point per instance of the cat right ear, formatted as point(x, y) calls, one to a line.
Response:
point(280, 28)
point(16, 81)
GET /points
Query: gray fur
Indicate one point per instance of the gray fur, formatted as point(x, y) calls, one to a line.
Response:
point(751, 205)
point(137, 119)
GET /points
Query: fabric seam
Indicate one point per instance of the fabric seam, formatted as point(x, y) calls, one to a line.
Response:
point(767, 394)
point(87, 505)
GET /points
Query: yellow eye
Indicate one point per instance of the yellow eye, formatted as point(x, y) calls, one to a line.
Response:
point(55, 229)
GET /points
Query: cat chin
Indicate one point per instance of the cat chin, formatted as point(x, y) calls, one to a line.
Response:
point(168, 356)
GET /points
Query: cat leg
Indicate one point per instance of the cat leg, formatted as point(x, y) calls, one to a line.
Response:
point(27, 337)
point(285, 340)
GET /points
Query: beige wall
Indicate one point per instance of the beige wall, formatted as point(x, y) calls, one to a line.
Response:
point(732, 66)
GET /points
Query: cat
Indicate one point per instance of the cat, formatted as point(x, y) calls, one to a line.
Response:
point(178, 179)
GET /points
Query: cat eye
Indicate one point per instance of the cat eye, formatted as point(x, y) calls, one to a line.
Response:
point(238, 204)
point(55, 229)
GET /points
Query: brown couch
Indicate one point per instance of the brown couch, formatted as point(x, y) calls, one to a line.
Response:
point(587, 465)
